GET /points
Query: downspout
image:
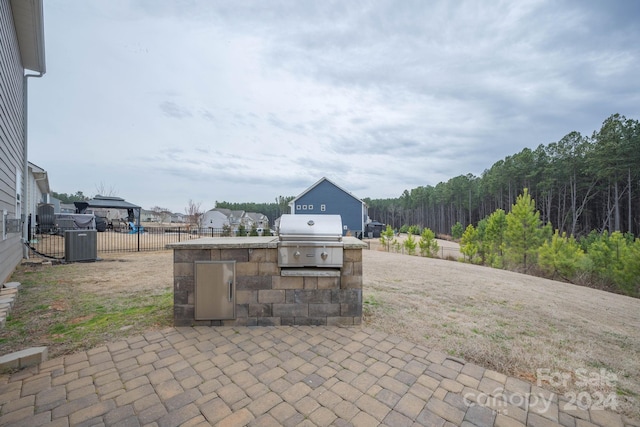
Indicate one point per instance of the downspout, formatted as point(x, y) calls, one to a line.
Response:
point(25, 171)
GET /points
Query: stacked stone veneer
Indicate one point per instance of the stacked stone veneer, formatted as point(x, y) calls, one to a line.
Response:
point(266, 295)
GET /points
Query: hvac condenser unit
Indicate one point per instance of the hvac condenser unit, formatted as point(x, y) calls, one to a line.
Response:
point(80, 245)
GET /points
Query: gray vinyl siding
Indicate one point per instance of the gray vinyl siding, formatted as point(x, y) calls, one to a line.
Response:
point(335, 201)
point(11, 138)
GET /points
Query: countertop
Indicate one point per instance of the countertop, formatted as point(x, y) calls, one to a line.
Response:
point(249, 242)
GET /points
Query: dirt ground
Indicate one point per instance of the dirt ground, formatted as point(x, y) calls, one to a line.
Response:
point(516, 324)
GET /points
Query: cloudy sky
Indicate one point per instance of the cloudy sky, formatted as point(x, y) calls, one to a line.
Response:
point(161, 102)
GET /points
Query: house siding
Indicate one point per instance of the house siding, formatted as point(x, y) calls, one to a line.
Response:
point(214, 219)
point(11, 138)
point(35, 197)
point(336, 201)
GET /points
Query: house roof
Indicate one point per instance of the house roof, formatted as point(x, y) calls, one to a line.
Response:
point(41, 177)
point(223, 211)
point(110, 202)
point(29, 23)
point(291, 203)
point(255, 216)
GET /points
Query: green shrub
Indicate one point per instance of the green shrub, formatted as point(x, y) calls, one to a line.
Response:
point(457, 230)
point(428, 244)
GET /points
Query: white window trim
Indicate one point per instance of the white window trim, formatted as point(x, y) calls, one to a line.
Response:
point(19, 200)
point(310, 207)
point(5, 214)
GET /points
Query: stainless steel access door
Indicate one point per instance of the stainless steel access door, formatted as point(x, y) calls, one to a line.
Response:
point(215, 290)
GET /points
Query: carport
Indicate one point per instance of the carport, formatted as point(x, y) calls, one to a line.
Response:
point(108, 202)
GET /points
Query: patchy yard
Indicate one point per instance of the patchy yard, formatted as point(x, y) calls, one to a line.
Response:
point(513, 323)
point(70, 307)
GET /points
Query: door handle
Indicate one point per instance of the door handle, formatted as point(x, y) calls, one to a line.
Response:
point(230, 290)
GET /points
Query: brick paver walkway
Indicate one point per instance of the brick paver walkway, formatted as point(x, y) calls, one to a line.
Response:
point(272, 376)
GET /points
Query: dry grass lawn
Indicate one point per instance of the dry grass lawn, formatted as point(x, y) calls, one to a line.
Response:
point(510, 322)
point(513, 323)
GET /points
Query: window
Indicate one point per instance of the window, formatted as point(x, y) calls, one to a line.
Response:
point(310, 207)
point(304, 207)
point(18, 192)
point(323, 208)
point(298, 207)
point(4, 225)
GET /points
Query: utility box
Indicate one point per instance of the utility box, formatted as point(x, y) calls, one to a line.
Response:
point(80, 245)
point(215, 290)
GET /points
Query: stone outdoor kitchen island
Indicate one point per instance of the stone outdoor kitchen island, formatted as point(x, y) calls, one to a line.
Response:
point(236, 281)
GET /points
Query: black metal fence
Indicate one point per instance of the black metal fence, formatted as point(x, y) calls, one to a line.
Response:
point(135, 240)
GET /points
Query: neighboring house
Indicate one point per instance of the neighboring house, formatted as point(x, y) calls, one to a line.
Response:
point(325, 197)
point(216, 218)
point(177, 218)
point(236, 219)
point(253, 218)
point(149, 216)
point(21, 49)
point(37, 193)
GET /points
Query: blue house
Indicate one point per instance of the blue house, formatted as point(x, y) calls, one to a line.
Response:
point(325, 197)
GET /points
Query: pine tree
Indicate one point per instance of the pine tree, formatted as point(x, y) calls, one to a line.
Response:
point(495, 229)
point(410, 244)
point(523, 235)
point(386, 238)
point(560, 256)
point(428, 244)
point(469, 242)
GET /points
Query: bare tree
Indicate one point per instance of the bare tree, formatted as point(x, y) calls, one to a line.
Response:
point(102, 190)
point(194, 213)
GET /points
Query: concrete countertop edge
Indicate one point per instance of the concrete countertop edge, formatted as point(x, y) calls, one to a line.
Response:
point(248, 243)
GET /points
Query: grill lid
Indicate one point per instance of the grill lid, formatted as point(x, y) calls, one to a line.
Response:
point(311, 227)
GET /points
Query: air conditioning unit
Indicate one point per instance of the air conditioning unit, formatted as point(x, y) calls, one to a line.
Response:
point(80, 245)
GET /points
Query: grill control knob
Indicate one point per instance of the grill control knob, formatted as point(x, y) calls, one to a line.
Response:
point(324, 255)
point(296, 254)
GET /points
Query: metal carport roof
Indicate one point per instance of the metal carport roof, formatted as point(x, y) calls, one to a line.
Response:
point(110, 203)
point(107, 202)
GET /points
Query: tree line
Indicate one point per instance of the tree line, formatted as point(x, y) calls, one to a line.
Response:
point(582, 184)
point(519, 240)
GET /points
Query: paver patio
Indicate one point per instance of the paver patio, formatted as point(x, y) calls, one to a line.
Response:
point(271, 376)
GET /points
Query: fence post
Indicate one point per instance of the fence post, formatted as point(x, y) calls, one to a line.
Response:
point(138, 238)
point(179, 234)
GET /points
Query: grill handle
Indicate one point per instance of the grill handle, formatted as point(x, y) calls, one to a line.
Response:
point(230, 290)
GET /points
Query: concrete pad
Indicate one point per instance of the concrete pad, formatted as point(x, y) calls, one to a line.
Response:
point(23, 358)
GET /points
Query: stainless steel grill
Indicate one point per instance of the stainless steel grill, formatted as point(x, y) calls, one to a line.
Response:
point(310, 241)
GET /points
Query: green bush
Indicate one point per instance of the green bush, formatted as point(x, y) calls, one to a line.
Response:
point(428, 244)
point(386, 237)
point(561, 256)
point(469, 243)
point(457, 230)
point(410, 244)
point(415, 230)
